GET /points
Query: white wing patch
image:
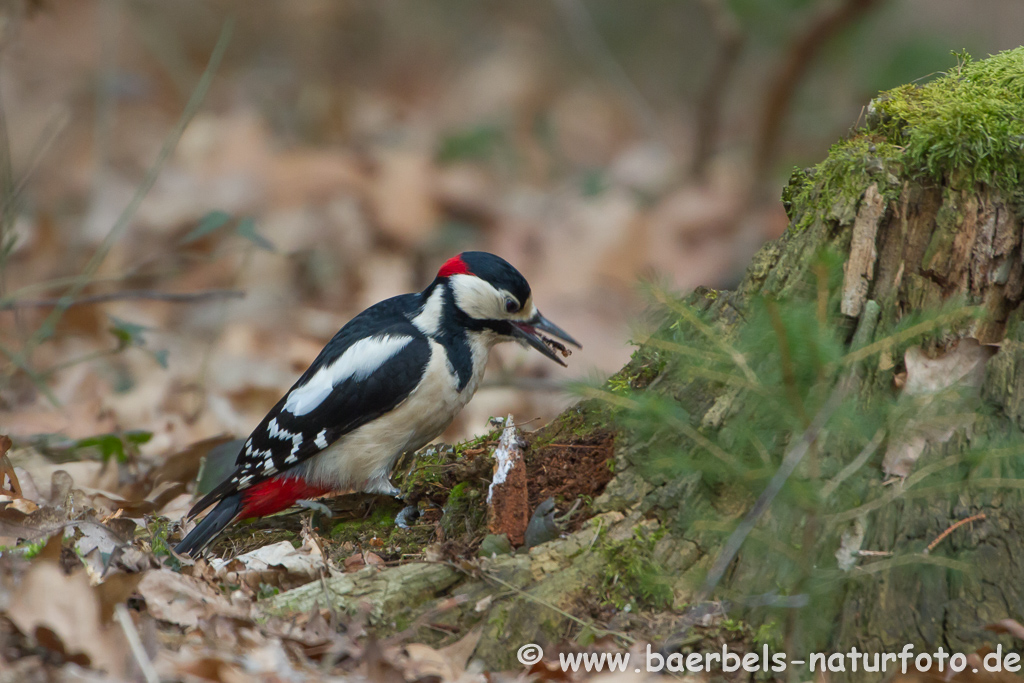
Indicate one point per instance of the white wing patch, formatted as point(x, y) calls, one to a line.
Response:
point(358, 362)
point(477, 297)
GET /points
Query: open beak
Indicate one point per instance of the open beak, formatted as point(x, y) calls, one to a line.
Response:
point(531, 331)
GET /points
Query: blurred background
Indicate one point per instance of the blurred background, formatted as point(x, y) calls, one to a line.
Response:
point(345, 148)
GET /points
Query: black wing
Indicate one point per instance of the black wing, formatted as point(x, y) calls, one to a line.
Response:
point(370, 366)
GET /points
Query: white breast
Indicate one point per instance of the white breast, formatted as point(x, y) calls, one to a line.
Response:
point(368, 453)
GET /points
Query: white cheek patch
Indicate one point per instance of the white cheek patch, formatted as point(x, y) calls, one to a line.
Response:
point(358, 362)
point(476, 298)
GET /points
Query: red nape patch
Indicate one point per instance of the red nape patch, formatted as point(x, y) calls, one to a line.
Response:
point(453, 266)
point(274, 495)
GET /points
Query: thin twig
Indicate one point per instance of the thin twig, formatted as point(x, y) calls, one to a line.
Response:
point(131, 634)
point(130, 294)
point(544, 603)
point(597, 534)
point(170, 143)
point(857, 463)
point(913, 559)
point(57, 123)
point(716, 337)
point(588, 40)
point(947, 532)
point(792, 458)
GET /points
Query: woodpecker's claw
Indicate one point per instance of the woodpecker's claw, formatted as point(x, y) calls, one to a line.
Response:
point(315, 506)
point(383, 486)
point(530, 332)
point(406, 516)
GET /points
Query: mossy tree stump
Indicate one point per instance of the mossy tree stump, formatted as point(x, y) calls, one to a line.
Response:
point(924, 204)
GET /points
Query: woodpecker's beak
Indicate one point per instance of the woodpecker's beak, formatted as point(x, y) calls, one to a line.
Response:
point(530, 332)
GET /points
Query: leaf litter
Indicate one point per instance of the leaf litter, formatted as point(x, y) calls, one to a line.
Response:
point(81, 586)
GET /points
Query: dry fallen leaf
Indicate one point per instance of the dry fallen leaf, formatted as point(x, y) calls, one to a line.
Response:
point(936, 401)
point(63, 613)
point(184, 600)
point(357, 561)
point(278, 564)
point(401, 196)
point(1011, 626)
point(9, 484)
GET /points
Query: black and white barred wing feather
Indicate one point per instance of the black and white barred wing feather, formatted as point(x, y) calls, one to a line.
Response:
point(363, 373)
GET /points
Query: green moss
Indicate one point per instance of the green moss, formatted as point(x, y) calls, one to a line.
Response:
point(426, 475)
point(834, 187)
point(643, 368)
point(28, 550)
point(965, 125)
point(464, 513)
point(576, 422)
point(380, 523)
point(632, 576)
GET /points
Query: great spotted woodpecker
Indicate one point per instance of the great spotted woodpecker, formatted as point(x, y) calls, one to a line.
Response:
point(389, 382)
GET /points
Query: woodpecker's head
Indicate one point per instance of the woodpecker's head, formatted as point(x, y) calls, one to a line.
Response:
point(492, 296)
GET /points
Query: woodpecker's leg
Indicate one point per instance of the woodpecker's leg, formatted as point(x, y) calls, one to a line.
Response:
point(382, 484)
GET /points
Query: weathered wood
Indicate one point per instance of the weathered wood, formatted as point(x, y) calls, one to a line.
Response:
point(859, 269)
point(379, 592)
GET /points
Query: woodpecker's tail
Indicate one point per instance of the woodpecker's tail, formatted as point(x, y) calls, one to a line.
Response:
point(210, 525)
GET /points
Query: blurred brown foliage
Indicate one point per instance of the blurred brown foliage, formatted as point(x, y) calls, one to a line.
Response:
point(591, 143)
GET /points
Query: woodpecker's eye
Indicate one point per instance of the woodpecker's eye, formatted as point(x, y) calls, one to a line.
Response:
point(511, 306)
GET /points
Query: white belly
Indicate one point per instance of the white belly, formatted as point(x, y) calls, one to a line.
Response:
point(364, 457)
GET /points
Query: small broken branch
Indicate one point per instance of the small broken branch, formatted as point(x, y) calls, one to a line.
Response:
point(7, 470)
point(947, 532)
point(126, 295)
point(508, 511)
point(131, 634)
